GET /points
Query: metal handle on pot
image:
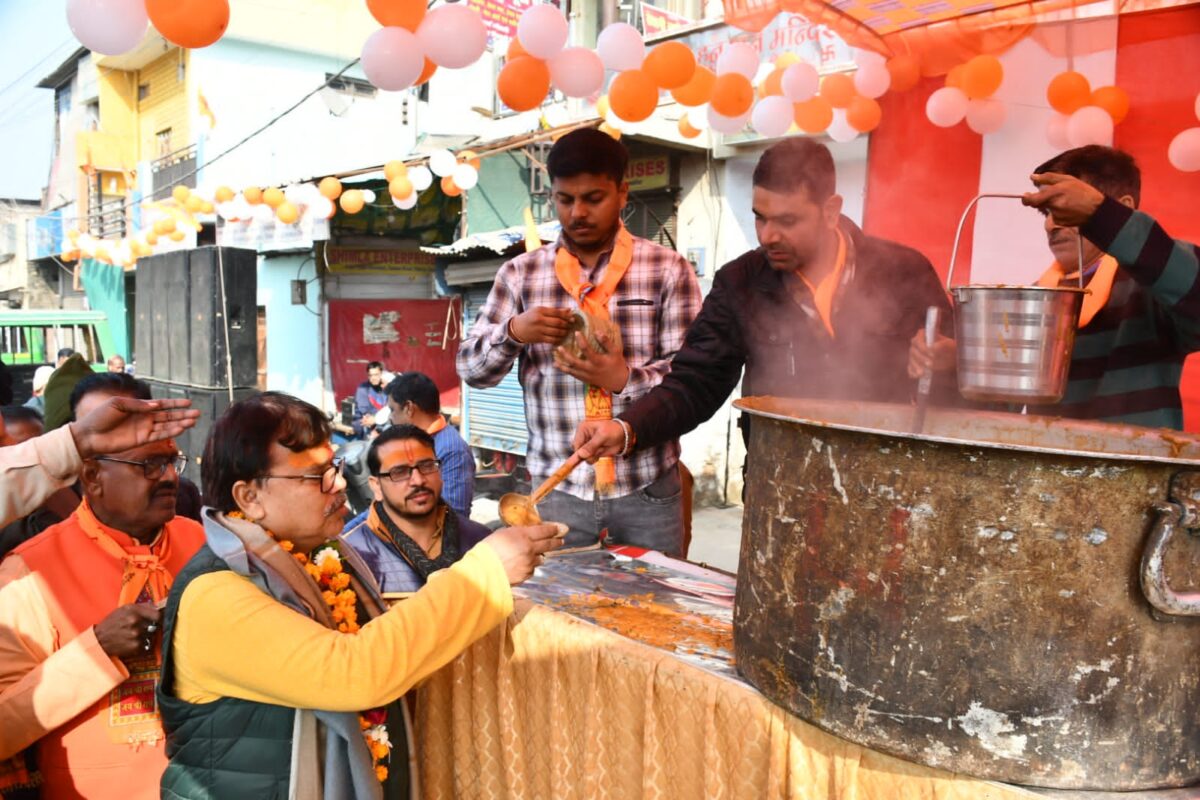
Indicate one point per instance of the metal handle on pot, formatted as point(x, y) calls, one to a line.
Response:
point(1171, 516)
point(963, 221)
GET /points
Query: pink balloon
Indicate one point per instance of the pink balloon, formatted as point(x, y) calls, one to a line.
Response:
point(1056, 132)
point(392, 59)
point(738, 57)
point(946, 107)
point(723, 124)
point(621, 47)
point(452, 36)
point(1090, 125)
point(542, 31)
point(577, 71)
point(986, 116)
point(872, 79)
point(772, 116)
point(108, 27)
point(800, 82)
point(1184, 151)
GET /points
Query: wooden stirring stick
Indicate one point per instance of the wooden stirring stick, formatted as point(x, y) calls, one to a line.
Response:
point(539, 494)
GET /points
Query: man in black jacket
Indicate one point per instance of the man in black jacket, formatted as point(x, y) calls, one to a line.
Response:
point(819, 310)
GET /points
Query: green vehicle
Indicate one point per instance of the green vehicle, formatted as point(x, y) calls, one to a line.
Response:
point(30, 338)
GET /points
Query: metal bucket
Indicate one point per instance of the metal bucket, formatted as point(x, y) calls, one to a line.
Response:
point(1014, 342)
point(1004, 596)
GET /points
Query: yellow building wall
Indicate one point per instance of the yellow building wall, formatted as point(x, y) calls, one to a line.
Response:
point(165, 105)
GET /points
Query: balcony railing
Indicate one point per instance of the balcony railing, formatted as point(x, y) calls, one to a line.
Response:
point(173, 169)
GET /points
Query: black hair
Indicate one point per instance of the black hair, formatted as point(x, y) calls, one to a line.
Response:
point(13, 414)
point(794, 162)
point(588, 151)
point(66, 352)
point(117, 383)
point(239, 446)
point(395, 433)
point(1114, 172)
point(417, 387)
point(375, 365)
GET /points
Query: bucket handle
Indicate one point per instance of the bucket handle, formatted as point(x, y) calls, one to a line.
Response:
point(1180, 512)
point(963, 221)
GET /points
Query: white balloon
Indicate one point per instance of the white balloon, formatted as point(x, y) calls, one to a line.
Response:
point(872, 80)
point(442, 162)
point(946, 107)
point(226, 211)
point(1184, 151)
point(866, 58)
point(465, 176)
point(542, 31)
point(407, 202)
point(452, 35)
point(772, 116)
point(697, 117)
point(723, 124)
point(840, 130)
point(1090, 125)
point(986, 116)
point(108, 27)
point(1056, 132)
point(263, 213)
point(368, 196)
point(620, 47)
point(800, 82)
point(421, 177)
point(322, 207)
point(577, 71)
point(738, 57)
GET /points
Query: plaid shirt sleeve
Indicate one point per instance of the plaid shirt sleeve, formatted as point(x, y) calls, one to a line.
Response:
point(488, 352)
point(680, 301)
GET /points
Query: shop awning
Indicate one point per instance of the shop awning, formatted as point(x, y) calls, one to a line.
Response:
point(494, 242)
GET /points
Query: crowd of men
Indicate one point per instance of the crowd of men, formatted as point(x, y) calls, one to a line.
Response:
point(142, 635)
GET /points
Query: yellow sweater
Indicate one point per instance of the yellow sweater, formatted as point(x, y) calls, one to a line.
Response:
point(233, 640)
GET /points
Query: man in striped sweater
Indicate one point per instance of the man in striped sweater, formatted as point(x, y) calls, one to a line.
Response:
point(1141, 317)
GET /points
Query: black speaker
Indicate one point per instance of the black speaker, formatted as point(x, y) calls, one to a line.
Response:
point(210, 402)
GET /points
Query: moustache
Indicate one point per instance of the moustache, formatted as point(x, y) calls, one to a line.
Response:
point(418, 494)
point(338, 505)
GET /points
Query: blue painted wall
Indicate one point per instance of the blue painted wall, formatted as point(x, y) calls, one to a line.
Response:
point(293, 331)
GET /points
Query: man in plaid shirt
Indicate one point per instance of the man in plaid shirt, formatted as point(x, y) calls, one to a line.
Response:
point(526, 318)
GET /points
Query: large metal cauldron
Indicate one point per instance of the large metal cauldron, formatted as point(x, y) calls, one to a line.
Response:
point(975, 598)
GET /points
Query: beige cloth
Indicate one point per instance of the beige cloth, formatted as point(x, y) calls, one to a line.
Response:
point(35, 469)
point(551, 706)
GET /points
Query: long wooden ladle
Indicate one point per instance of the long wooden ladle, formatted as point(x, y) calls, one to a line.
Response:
point(519, 509)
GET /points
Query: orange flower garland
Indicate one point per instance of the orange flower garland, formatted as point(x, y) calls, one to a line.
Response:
point(324, 566)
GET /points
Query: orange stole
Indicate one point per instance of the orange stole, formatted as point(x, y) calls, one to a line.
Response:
point(593, 299)
point(88, 757)
point(1098, 288)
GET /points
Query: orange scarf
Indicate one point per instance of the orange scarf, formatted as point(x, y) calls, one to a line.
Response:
point(1098, 288)
point(593, 300)
point(142, 571)
point(437, 425)
point(824, 292)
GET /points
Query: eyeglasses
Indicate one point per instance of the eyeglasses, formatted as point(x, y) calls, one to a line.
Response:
point(328, 478)
point(402, 472)
point(153, 468)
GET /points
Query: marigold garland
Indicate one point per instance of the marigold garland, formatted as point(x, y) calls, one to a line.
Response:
point(324, 566)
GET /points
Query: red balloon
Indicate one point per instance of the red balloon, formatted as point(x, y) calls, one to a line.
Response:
point(189, 23)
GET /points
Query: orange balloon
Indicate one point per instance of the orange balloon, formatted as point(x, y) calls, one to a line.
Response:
point(698, 90)
point(352, 201)
point(686, 130)
point(773, 83)
point(838, 89)
point(194, 204)
point(273, 197)
point(470, 157)
point(181, 194)
point(449, 187)
point(164, 226)
point(982, 76)
point(863, 114)
point(633, 95)
point(813, 116)
point(394, 169)
point(732, 94)
point(151, 238)
point(515, 50)
point(189, 23)
point(670, 65)
point(398, 13)
point(1068, 92)
point(207, 208)
point(610, 130)
point(1114, 100)
point(905, 71)
point(523, 83)
point(253, 195)
point(223, 194)
point(330, 188)
point(400, 187)
point(287, 213)
point(954, 78)
point(427, 73)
